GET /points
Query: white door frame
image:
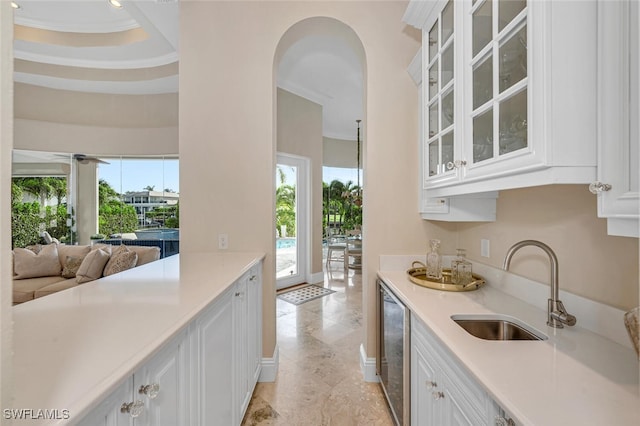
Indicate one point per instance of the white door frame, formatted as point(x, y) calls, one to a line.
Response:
point(303, 213)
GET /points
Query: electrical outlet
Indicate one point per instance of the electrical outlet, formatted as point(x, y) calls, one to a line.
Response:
point(484, 248)
point(223, 241)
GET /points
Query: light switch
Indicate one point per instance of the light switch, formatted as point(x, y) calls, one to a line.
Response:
point(484, 248)
point(223, 241)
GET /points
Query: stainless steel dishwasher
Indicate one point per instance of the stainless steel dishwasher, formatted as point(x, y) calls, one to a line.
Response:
point(393, 354)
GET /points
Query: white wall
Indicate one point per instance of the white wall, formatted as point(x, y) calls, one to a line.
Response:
point(341, 153)
point(37, 135)
point(299, 132)
point(228, 124)
point(591, 263)
point(6, 142)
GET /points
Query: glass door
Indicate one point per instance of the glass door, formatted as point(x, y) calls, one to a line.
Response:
point(439, 94)
point(499, 74)
point(291, 220)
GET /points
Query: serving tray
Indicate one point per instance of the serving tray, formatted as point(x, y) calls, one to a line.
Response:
point(418, 275)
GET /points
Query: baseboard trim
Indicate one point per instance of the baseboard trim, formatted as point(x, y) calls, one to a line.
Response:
point(368, 367)
point(269, 369)
point(316, 278)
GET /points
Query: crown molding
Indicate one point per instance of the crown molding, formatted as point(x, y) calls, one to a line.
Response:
point(149, 87)
point(415, 68)
point(95, 63)
point(303, 92)
point(418, 11)
point(79, 27)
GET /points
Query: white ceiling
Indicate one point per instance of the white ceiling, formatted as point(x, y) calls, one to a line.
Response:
point(88, 36)
point(325, 70)
point(92, 35)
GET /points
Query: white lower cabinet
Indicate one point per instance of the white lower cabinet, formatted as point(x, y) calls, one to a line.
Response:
point(442, 393)
point(157, 394)
point(107, 413)
point(247, 317)
point(227, 340)
point(204, 376)
point(212, 341)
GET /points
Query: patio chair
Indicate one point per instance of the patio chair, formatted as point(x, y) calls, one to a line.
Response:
point(353, 249)
point(336, 245)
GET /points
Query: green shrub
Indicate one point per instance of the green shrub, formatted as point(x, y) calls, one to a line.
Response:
point(116, 217)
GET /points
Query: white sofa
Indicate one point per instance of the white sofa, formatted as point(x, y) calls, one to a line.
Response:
point(42, 270)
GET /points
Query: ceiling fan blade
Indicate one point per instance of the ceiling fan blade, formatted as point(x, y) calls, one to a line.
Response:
point(84, 159)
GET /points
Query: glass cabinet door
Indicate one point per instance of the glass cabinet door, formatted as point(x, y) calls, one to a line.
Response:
point(440, 93)
point(499, 78)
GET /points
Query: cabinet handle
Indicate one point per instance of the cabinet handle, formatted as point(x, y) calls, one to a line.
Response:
point(501, 421)
point(438, 395)
point(253, 278)
point(598, 187)
point(456, 164)
point(134, 408)
point(431, 385)
point(151, 390)
point(239, 293)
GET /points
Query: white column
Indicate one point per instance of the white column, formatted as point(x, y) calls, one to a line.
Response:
point(86, 201)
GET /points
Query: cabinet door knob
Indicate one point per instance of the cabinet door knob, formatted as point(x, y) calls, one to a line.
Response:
point(134, 408)
point(239, 293)
point(456, 164)
point(431, 385)
point(501, 421)
point(151, 390)
point(598, 187)
point(253, 278)
point(438, 395)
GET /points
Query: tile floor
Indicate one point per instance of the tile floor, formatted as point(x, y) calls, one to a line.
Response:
point(319, 380)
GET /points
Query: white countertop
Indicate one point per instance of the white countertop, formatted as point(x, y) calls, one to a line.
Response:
point(576, 377)
point(73, 348)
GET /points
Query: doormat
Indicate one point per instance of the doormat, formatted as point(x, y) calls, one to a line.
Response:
point(304, 294)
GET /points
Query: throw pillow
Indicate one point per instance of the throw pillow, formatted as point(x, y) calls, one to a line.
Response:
point(71, 266)
point(145, 254)
point(108, 248)
point(121, 259)
point(36, 248)
point(27, 264)
point(65, 251)
point(92, 266)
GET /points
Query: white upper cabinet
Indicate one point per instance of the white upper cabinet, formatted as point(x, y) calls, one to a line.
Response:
point(618, 116)
point(508, 95)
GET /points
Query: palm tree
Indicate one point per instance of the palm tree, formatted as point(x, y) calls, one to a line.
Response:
point(149, 187)
point(285, 204)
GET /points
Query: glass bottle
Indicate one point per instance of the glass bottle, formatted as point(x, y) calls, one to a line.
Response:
point(461, 269)
point(434, 261)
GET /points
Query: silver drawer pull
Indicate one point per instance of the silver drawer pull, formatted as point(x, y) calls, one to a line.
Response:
point(134, 408)
point(151, 390)
point(501, 421)
point(598, 187)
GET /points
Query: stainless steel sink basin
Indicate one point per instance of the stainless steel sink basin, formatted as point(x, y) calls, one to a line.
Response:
point(497, 327)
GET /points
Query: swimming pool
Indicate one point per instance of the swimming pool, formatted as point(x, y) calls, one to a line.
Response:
point(285, 243)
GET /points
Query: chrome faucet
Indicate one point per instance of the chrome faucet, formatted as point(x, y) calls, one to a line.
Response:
point(557, 315)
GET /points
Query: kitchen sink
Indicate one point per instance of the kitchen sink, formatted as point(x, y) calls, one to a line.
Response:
point(497, 327)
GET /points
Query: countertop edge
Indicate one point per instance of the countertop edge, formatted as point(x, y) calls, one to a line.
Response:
point(499, 388)
point(114, 378)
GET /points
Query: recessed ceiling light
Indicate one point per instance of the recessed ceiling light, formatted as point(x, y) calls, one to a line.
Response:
point(15, 5)
point(115, 3)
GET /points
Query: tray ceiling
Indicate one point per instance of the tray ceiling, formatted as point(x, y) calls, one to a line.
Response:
point(89, 46)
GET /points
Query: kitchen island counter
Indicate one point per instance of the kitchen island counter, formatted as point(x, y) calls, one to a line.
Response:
point(72, 348)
